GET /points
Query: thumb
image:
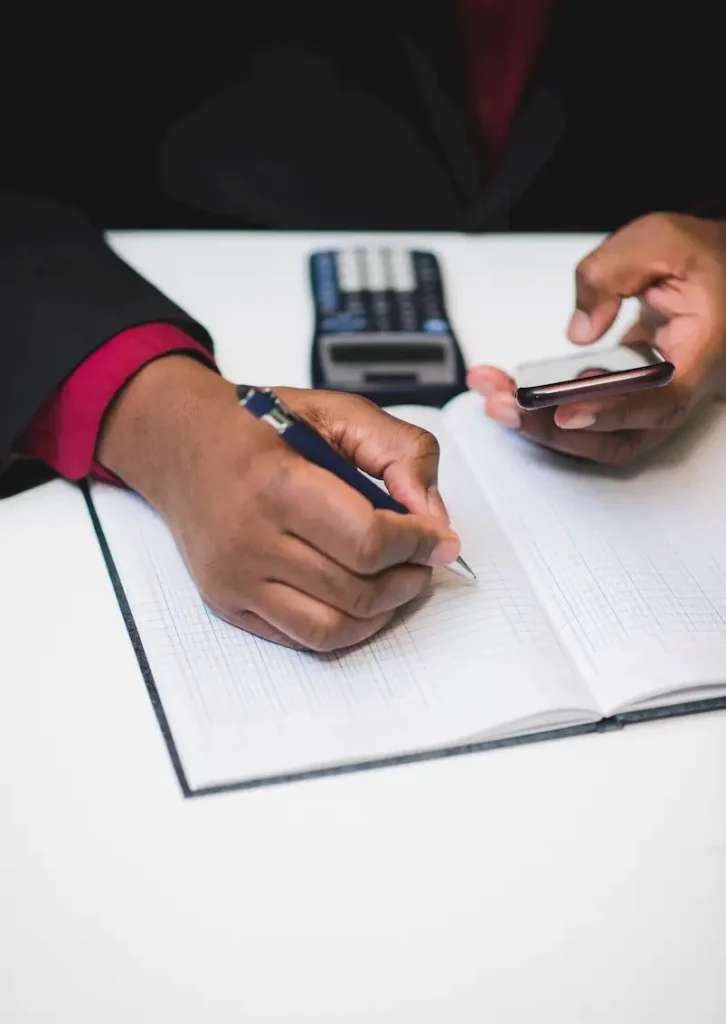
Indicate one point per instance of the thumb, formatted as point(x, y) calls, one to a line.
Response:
point(404, 456)
point(624, 265)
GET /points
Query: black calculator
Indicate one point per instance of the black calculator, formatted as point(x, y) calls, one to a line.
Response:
point(381, 326)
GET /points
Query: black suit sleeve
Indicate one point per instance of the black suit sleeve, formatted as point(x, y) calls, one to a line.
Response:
point(63, 293)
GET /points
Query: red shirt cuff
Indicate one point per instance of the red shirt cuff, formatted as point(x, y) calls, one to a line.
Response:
point(64, 431)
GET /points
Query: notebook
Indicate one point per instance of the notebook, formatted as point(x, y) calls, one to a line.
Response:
point(600, 600)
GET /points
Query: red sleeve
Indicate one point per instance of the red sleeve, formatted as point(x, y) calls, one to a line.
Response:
point(64, 431)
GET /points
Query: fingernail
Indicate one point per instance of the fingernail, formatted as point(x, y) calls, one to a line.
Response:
point(446, 551)
point(580, 327)
point(436, 503)
point(507, 415)
point(575, 421)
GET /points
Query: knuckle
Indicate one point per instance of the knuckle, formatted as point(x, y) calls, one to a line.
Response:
point(596, 275)
point(359, 403)
point(250, 622)
point(243, 618)
point(365, 599)
point(424, 547)
point(371, 546)
point(325, 632)
point(588, 273)
point(326, 399)
point(616, 418)
point(426, 443)
point(226, 597)
point(333, 410)
point(388, 590)
point(620, 450)
point(672, 416)
point(230, 611)
point(410, 583)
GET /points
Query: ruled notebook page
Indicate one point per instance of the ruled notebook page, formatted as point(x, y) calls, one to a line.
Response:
point(630, 563)
point(466, 661)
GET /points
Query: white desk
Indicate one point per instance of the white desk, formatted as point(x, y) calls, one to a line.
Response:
point(574, 881)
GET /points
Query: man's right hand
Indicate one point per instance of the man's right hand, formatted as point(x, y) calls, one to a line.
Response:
point(277, 545)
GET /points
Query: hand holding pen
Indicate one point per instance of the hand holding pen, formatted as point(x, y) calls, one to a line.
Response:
point(266, 406)
point(276, 545)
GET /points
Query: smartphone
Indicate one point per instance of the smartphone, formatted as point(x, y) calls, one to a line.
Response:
point(602, 372)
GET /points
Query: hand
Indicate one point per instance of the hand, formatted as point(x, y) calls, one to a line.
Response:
point(676, 266)
point(276, 545)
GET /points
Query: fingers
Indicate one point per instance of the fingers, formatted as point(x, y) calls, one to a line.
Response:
point(637, 421)
point(252, 623)
point(609, 447)
point(664, 408)
point(313, 624)
point(306, 569)
point(637, 256)
point(613, 447)
point(489, 380)
point(595, 307)
point(289, 617)
point(498, 390)
point(502, 407)
point(660, 409)
point(270, 581)
point(340, 523)
point(405, 457)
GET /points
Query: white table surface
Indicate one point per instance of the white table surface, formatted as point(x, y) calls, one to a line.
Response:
point(582, 880)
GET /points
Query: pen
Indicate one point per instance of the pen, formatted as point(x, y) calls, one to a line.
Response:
point(265, 405)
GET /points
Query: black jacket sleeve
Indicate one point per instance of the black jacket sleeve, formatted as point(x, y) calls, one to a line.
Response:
point(63, 293)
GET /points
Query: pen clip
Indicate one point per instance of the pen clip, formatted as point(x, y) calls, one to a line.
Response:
point(266, 406)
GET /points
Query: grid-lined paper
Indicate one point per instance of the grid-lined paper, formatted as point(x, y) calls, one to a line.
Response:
point(465, 661)
point(630, 563)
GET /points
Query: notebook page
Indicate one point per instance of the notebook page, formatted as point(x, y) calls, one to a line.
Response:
point(467, 660)
point(630, 563)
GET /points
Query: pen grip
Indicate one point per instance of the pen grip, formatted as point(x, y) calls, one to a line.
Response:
point(312, 447)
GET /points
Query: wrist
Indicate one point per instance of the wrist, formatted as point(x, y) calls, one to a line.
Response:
point(151, 434)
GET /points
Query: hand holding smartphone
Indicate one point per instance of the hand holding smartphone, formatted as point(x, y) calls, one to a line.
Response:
point(590, 375)
point(611, 406)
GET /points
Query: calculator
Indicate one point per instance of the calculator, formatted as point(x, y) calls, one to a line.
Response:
point(381, 326)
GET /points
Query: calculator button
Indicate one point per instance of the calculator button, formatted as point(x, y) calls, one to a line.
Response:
point(402, 273)
point(349, 270)
point(325, 281)
point(377, 271)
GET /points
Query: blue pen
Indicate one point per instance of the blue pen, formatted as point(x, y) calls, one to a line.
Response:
point(265, 405)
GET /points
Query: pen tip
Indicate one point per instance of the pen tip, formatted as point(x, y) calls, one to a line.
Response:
point(467, 568)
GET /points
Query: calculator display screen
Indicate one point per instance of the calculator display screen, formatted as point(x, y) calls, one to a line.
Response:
point(387, 352)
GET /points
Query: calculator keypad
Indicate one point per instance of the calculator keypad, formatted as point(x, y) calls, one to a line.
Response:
point(378, 290)
point(381, 323)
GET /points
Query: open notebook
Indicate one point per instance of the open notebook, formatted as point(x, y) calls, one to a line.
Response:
point(601, 598)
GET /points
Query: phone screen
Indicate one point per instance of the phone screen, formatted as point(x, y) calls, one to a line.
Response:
point(595, 363)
